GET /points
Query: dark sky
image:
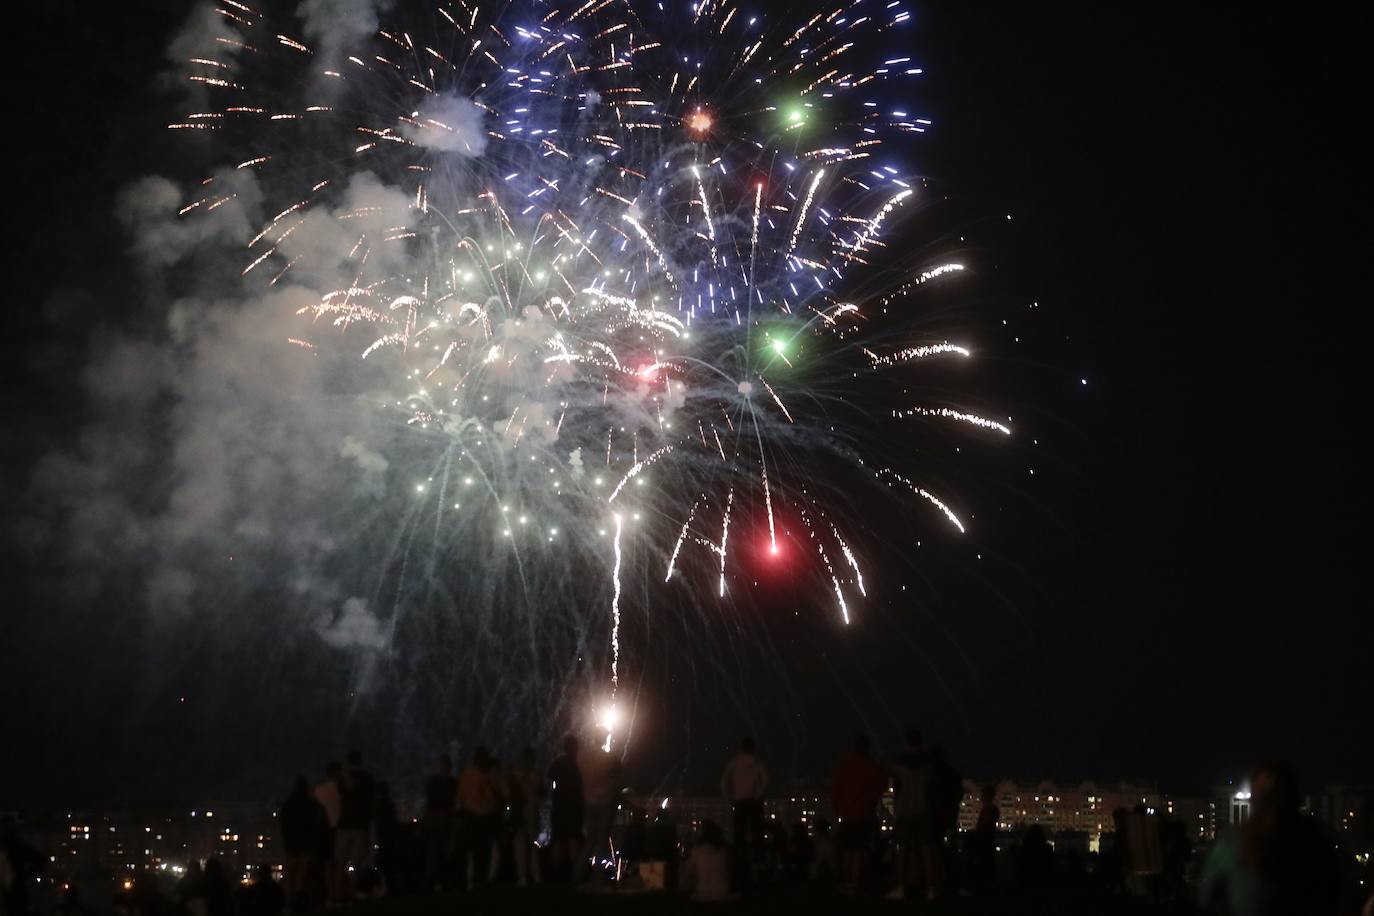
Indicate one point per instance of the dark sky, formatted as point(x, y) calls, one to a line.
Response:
point(1187, 187)
point(1176, 595)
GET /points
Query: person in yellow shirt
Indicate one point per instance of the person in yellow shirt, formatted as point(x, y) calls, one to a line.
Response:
point(479, 812)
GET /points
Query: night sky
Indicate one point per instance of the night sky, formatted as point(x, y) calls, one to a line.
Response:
point(1174, 594)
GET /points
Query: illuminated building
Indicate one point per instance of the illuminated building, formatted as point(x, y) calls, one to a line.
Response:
point(1084, 808)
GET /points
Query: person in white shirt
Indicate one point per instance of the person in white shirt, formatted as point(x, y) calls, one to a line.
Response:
point(743, 784)
point(706, 873)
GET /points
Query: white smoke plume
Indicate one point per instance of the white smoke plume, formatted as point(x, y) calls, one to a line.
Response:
point(324, 240)
point(214, 439)
point(336, 24)
point(200, 34)
point(450, 124)
point(354, 627)
point(221, 462)
point(150, 209)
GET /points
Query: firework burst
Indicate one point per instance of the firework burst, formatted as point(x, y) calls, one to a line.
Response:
point(601, 260)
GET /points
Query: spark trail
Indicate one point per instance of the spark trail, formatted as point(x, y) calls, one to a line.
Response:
point(550, 245)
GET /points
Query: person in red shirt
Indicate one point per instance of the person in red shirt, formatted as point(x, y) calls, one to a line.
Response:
point(856, 788)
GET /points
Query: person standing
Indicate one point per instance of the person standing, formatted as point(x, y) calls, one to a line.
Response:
point(190, 890)
point(437, 827)
point(390, 840)
point(910, 807)
point(743, 784)
point(944, 792)
point(601, 792)
point(262, 897)
point(1281, 861)
point(825, 859)
point(500, 822)
point(982, 844)
point(215, 887)
point(568, 806)
point(353, 839)
point(798, 854)
point(526, 794)
point(479, 813)
point(304, 829)
point(329, 793)
point(20, 867)
point(856, 788)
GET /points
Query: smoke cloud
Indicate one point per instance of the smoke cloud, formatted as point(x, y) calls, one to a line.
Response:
point(220, 455)
point(450, 124)
point(353, 628)
point(239, 485)
point(150, 211)
point(334, 25)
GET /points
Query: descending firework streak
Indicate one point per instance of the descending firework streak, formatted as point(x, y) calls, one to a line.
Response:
point(602, 251)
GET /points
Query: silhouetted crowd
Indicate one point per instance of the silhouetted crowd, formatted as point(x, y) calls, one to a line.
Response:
point(569, 823)
point(480, 826)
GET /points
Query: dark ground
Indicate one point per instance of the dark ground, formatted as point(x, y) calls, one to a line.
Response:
point(792, 901)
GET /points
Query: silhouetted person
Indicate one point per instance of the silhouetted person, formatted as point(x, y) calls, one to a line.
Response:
point(1178, 850)
point(706, 873)
point(329, 793)
point(215, 888)
point(856, 788)
point(774, 845)
point(567, 806)
point(634, 841)
point(263, 897)
point(911, 810)
point(71, 903)
point(437, 826)
point(825, 864)
point(479, 811)
point(798, 854)
point(94, 881)
point(1035, 861)
point(20, 866)
point(664, 844)
point(353, 838)
point(390, 839)
point(944, 790)
point(501, 830)
point(368, 883)
point(304, 832)
point(526, 797)
point(147, 899)
point(743, 784)
point(601, 773)
point(1364, 840)
point(190, 890)
point(1113, 865)
point(982, 843)
point(1144, 852)
point(1072, 873)
point(1280, 862)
